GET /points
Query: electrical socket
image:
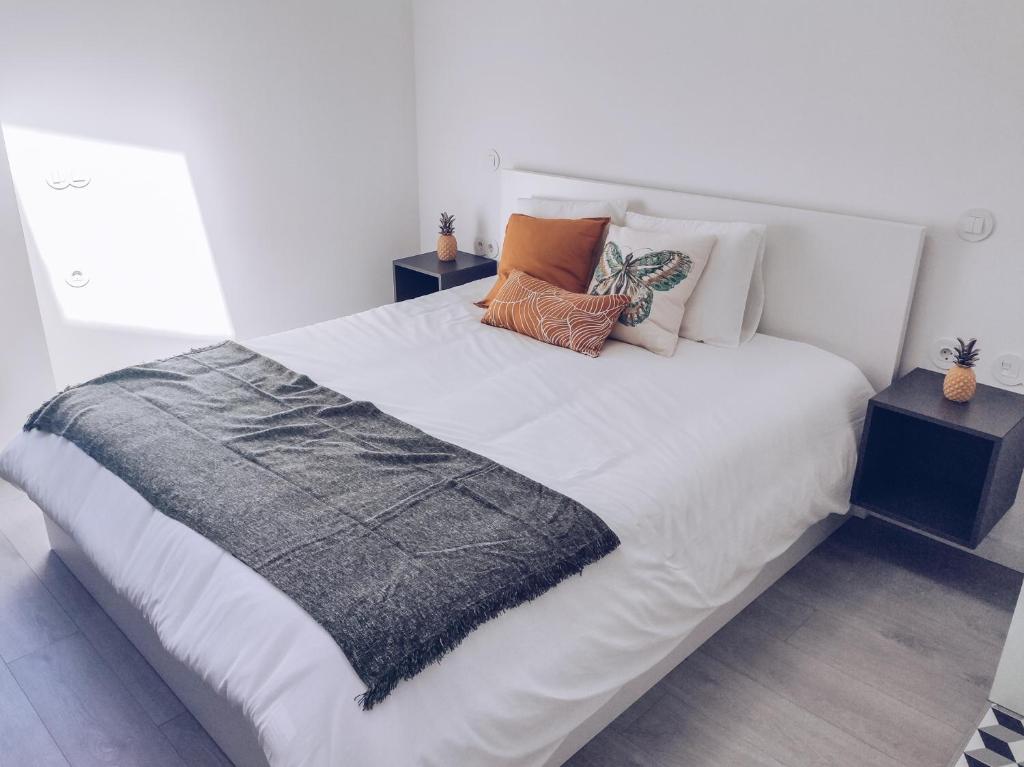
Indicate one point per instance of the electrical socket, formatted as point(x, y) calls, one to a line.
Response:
point(943, 353)
point(487, 248)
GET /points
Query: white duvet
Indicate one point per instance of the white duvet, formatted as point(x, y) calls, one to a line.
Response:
point(707, 464)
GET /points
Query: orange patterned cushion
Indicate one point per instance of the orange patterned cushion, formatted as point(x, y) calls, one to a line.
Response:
point(538, 309)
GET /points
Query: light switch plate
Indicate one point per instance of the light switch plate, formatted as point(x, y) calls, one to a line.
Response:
point(976, 225)
point(1008, 369)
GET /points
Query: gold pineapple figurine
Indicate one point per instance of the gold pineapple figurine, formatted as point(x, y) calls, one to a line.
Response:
point(447, 247)
point(960, 382)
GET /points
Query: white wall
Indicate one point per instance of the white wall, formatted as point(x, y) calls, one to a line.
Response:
point(25, 375)
point(1008, 686)
point(300, 131)
point(295, 127)
point(904, 109)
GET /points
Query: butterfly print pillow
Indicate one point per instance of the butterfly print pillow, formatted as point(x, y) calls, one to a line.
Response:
point(657, 272)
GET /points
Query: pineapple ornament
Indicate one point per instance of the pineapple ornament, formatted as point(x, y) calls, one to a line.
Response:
point(960, 382)
point(447, 247)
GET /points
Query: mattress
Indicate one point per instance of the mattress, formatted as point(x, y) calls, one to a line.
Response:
point(707, 464)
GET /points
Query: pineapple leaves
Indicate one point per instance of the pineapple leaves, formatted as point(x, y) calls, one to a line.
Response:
point(965, 353)
point(447, 224)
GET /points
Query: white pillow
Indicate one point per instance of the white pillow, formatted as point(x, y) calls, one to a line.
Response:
point(658, 272)
point(543, 207)
point(726, 306)
point(755, 298)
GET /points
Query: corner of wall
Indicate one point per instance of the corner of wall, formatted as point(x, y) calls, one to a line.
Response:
point(26, 374)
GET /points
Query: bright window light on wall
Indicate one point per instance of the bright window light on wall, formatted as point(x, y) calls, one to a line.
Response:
point(126, 217)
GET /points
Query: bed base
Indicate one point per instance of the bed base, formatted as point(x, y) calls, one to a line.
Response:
point(222, 719)
point(229, 727)
point(634, 690)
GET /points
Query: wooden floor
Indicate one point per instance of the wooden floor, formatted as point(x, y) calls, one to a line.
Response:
point(876, 651)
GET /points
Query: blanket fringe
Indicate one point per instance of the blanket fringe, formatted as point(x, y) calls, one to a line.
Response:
point(463, 624)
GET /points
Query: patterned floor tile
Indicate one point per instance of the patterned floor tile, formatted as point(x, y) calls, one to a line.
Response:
point(998, 741)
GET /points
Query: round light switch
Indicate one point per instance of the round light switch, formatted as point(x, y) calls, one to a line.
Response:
point(976, 225)
point(1008, 369)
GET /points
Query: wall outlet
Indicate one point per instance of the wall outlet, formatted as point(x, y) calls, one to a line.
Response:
point(943, 353)
point(487, 248)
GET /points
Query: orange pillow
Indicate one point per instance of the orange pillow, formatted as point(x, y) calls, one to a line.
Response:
point(577, 321)
point(562, 251)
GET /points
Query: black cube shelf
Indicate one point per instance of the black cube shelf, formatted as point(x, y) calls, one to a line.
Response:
point(424, 274)
point(946, 468)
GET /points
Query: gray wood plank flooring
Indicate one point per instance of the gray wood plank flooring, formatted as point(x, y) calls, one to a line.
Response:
point(31, 616)
point(89, 713)
point(192, 743)
point(844, 700)
point(24, 738)
point(767, 720)
point(876, 651)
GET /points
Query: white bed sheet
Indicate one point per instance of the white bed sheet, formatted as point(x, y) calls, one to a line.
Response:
point(707, 465)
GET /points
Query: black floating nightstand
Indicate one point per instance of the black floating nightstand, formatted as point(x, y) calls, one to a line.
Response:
point(421, 275)
point(949, 469)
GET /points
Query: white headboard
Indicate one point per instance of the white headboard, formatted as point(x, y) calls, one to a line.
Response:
point(842, 283)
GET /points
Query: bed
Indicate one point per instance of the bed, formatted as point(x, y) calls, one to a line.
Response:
point(717, 468)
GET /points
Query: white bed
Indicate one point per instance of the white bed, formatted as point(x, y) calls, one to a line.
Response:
point(717, 468)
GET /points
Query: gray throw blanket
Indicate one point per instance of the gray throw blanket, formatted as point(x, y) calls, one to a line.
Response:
point(397, 543)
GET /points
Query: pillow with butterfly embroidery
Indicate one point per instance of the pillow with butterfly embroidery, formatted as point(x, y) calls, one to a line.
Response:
point(658, 272)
